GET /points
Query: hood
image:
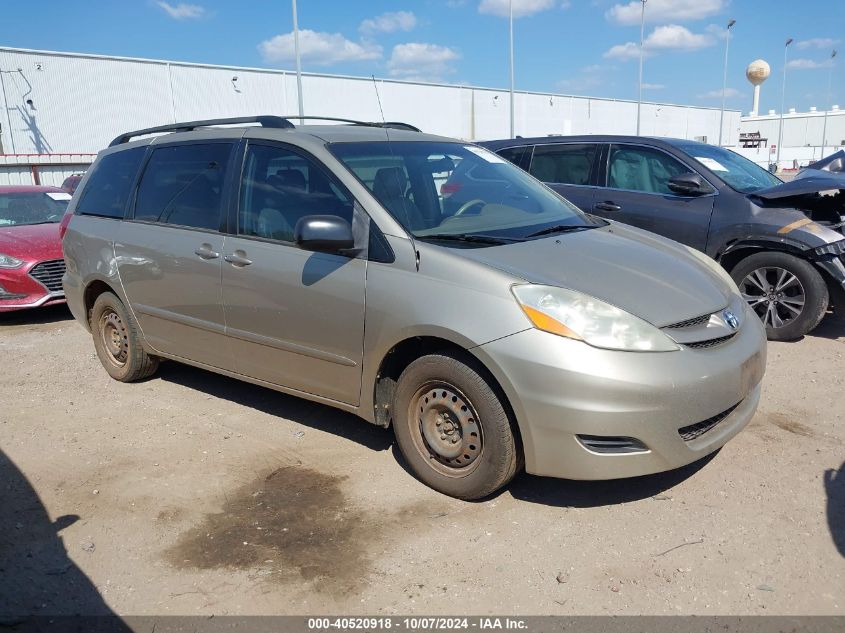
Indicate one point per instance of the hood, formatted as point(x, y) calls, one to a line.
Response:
point(33, 242)
point(809, 184)
point(649, 276)
point(835, 163)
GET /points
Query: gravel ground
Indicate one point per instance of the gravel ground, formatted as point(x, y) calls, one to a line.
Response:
point(191, 493)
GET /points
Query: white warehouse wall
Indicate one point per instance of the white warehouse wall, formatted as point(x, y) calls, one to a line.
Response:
point(80, 102)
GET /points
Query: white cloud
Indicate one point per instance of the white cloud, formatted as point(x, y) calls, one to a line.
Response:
point(321, 49)
point(421, 62)
point(665, 11)
point(807, 64)
point(653, 86)
point(521, 8)
point(717, 94)
point(182, 11)
point(817, 42)
point(668, 37)
point(389, 22)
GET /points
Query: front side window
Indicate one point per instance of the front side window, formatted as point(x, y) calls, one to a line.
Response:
point(107, 190)
point(183, 185)
point(568, 164)
point(643, 169)
point(737, 171)
point(442, 190)
point(18, 208)
point(279, 187)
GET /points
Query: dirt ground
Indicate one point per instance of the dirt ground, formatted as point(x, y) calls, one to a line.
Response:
point(192, 493)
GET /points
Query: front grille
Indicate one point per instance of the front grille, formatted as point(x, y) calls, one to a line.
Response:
point(700, 320)
point(693, 431)
point(713, 342)
point(50, 274)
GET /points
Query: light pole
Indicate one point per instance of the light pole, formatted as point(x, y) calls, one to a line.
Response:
point(298, 64)
point(782, 103)
point(829, 85)
point(510, 25)
point(642, 42)
point(725, 79)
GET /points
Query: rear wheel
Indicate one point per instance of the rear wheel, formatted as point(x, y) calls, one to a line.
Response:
point(452, 427)
point(117, 341)
point(787, 293)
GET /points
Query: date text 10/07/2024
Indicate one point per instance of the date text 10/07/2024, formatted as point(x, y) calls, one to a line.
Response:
point(416, 623)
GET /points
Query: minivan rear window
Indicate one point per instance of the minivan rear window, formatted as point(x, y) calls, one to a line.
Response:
point(108, 188)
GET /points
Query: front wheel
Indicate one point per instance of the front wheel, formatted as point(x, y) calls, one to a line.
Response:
point(787, 293)
point(452, 427)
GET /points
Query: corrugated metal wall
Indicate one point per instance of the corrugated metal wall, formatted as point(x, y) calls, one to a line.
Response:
point(80, 102)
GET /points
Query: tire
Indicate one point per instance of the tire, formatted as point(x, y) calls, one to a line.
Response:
point(118, 342)
point(452, 427)
point(801, 288)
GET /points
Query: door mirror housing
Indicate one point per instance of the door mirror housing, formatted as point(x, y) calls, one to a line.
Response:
point(323, 233)
point(689, 184)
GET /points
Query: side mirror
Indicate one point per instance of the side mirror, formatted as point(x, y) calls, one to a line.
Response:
point(323, 233)
point(688, 184)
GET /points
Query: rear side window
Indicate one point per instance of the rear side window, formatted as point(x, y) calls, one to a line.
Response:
point(567, 164)
point(183, 185)
point(108, 188)
point(514, 154)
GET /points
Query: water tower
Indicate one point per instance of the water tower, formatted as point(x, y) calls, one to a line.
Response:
point(757, 72)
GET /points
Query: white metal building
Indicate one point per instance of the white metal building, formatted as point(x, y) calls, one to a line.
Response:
point(802, 135)
point(69, 103)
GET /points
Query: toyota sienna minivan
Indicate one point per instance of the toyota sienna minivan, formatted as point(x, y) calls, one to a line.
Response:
point(318, 260)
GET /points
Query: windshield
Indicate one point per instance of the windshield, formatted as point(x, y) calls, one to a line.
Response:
point(448, 190)
point(32, 207)
point(737, 171)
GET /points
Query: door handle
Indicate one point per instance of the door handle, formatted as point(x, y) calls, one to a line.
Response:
point(607, 206)
point(237, 259)
point(206, 252)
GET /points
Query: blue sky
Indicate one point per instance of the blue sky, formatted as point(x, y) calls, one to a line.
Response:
point(585, 47)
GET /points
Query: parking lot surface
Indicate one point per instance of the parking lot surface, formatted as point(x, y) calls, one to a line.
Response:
point(192, 493)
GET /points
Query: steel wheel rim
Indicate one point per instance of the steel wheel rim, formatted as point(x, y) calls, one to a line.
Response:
point(775, 294)
point(114, 337)
point(445, 429)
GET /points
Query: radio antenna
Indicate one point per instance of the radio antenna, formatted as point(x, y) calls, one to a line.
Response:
point(378, 98)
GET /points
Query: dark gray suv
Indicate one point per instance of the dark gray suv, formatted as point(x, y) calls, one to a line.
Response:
point(783, 243)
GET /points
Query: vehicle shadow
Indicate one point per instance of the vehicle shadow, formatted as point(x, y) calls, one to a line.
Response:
point(36, 316)
point(834, 484)
point(831, 327)
point(37, 578)
point(305, 412)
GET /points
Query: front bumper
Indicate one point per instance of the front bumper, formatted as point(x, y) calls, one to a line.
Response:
point(19, 291)
point(560, 389)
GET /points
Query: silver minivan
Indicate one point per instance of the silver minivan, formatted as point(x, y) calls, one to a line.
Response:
point(511, 331)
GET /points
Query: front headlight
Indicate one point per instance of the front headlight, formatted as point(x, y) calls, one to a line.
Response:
point(7, 261)
point(585, 318)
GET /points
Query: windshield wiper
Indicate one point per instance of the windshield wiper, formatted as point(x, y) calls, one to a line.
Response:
point(562, 228)
point(469, 237)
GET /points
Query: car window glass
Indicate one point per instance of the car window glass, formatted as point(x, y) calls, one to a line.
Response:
point(23, 207)
point(107, 190)
point(279, 187)
point(183, 185)
point(642, 169)
point(513, 154)
point(568, 164)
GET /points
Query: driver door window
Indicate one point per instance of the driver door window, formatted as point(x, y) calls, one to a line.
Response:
point(634, 168)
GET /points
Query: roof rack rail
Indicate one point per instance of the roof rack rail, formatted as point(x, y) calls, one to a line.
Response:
point(265, 121)
point(395, 125)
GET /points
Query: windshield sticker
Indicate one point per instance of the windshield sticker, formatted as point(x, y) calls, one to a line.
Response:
point(59, 195)
point(712, 165)
point(490, 157)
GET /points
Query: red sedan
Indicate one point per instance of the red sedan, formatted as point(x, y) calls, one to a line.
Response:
point(31, 260)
